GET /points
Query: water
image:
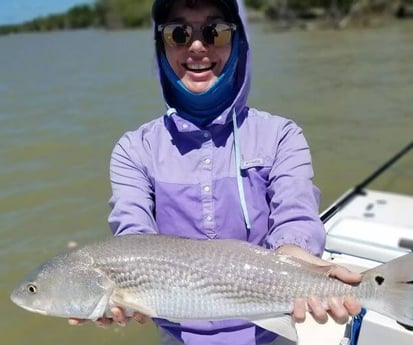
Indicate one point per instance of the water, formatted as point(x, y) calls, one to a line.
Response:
point(66, 97)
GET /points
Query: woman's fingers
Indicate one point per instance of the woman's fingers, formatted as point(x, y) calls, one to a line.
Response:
point(300, 308)
point(317, 310)
point(118, 316)
point(345, 275)
point(103, 322)
point(76, 322)
point(352, 305)
point(337, 310)
point(141, 318)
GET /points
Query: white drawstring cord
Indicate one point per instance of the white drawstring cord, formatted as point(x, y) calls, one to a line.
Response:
point(170, 111)
point(239, 177)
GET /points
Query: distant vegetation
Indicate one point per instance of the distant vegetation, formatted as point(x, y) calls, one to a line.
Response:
point(118, 14)
point(77, 17)
point(111, 14)
point(332, 13)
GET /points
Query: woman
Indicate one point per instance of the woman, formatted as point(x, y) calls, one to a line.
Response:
point(212, 167)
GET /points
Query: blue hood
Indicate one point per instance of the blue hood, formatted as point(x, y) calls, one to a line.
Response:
point(236, 11)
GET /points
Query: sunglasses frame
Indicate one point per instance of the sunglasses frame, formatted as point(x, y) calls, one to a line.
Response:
point(161, 28)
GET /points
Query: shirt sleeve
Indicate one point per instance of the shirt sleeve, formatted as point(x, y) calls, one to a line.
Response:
point(132, 201)
point(294, 199)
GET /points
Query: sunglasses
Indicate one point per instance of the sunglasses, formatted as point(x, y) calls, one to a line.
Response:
point(180, 34)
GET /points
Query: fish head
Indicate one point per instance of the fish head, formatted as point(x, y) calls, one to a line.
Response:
point(67, 286)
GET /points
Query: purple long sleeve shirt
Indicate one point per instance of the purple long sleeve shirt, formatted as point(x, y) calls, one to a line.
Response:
point(171, 177)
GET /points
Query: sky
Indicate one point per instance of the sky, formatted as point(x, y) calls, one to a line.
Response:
point(18, 11)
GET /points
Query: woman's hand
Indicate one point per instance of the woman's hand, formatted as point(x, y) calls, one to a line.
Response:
point(340, 309)
point(118, 317)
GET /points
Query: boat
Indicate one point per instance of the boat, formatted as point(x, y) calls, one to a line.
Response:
point(365, 228)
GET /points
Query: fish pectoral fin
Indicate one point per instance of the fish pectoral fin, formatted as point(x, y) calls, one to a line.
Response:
point(100, 308)
point(131, 303)
point(282, 325)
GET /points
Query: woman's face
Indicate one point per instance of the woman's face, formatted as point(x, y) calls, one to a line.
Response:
point(198, 64)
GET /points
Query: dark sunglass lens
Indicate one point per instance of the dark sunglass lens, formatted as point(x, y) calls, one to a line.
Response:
point(210, 33)
point(176, 34)
point(180, 35)
point(217, 34)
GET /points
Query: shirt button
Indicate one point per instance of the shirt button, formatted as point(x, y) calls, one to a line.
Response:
point(207, 188)
point(206, 135)
point(207, 161)
point(184, 125)
point(209, 218)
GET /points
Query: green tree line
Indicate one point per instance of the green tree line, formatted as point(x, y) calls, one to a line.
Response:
point(77, 17)
point(111, 14)
point(118, 14)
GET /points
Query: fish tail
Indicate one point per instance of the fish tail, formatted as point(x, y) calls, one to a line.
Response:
point(395, 280)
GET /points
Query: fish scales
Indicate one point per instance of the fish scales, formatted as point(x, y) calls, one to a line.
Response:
point(226, 278)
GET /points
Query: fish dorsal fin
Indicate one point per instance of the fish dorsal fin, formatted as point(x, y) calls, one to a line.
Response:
point(282, 325)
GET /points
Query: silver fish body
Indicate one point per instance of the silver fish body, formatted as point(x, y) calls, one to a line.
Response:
point(185, 279)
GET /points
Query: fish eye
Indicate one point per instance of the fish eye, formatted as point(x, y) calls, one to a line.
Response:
point(31, 288)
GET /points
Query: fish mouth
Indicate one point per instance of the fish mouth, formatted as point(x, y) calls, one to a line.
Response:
point(18, 301)
point(198, 67)
point(38, 311)
point(15, 299)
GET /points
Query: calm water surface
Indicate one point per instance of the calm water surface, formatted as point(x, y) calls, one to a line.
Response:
point(65, 99)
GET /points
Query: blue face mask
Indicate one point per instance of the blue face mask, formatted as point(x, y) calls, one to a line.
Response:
point(202, 108)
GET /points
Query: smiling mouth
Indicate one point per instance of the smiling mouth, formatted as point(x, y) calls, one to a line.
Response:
point(199, 67)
